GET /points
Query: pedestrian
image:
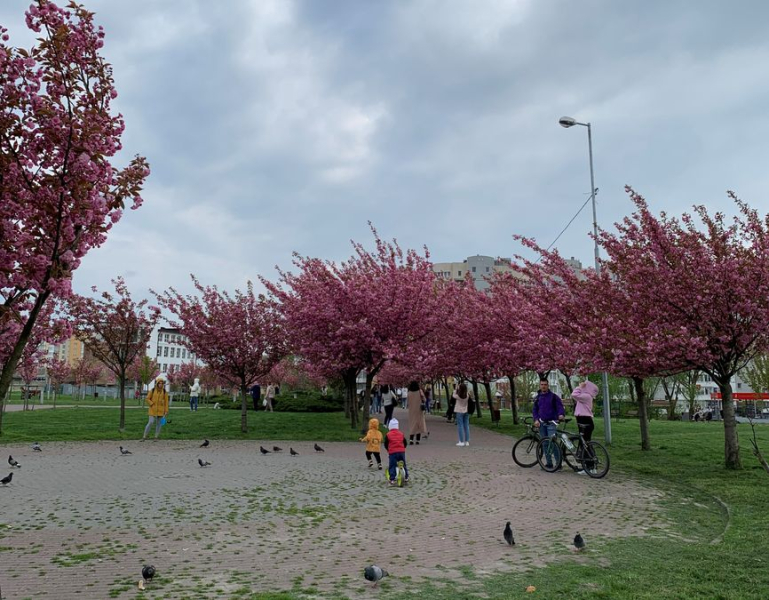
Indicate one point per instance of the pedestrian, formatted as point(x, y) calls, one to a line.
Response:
point(450, 408)
point(157, 400)
point(256, 394)
point(374, 408)
point(395, 444)
point(583, 396)
point(428, 399)
point(194, 394)
point(416, 404)
point(404, 393)
point(373, 439)
point(388, 401)
point(269, 397)
point(462, 399)
point(547, 408)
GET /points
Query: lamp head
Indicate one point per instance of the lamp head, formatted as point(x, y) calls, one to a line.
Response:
point(567, 122)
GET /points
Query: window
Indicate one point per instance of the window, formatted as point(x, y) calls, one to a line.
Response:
point(487, 269)
point(160, 349)
point(165, 351)
point(473, 269)
point(739, 386)
point(184, 353)
point(163, 367)
point(165, 337)
point(459, 273)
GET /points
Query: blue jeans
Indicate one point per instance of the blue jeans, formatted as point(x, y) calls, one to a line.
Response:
point(394, 458)
point(463, 426)
point(193, 403)
point(547, 430)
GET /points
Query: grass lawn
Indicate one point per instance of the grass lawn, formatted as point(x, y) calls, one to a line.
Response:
point(88, 424)
point(722, 517)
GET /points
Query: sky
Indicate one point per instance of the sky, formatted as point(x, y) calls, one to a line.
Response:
point(281, 126)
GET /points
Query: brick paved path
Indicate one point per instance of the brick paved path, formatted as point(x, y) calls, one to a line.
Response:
point(79, 519)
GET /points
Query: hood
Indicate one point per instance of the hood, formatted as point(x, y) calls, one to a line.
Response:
point(373, 424)
point(393, 424)
point(591, 389)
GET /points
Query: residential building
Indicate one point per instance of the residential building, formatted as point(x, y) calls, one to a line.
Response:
point(479, 267)
point(167, 347)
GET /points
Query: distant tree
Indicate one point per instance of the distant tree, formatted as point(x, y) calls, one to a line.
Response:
point(240, 336)
point(59, 372)
point(115, 329)
point(143, 370)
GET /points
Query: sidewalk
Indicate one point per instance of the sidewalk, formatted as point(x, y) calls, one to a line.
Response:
point(79, 518)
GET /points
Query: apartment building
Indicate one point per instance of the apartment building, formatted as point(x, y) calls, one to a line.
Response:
point(167, 348)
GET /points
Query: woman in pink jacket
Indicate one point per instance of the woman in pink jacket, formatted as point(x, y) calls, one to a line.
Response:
point(583, 396)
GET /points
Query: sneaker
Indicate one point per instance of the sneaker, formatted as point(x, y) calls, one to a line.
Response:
point(380, 467)
point(467, 443)
point(417, 443)
point(370, 464)
point(460, 443)
point(581, 473)
point(406, 480)
point(392, 483)
point(411, 443)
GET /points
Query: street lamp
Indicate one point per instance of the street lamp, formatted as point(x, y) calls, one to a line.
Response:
point(571, 122)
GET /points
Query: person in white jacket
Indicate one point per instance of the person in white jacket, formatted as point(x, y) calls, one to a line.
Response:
point(194, 394)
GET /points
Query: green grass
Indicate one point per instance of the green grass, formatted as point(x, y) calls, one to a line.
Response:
point(91, 424)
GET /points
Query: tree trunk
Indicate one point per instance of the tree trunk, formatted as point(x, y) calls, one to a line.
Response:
point(643, 421)
point(474, 383)
point(731, 441)
point(9, 368)
point(487, 387)
point(672, 404)
point(367, 401)
point(243, 407)
point(568, 381)
point(513, 400)
point(350, 377)
point(121, 383)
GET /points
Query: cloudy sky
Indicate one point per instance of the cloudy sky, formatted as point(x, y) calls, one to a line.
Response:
point(274, 126)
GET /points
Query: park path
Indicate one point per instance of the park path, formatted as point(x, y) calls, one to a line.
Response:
point(79, 519)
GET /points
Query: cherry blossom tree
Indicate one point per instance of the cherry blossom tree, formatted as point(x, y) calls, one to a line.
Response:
point(115, 329)
point(702, 282)
point(143, 370)
point(356, 315)
point(59, 372)
point(240, 336)
point(29, 368)
point(86, 370)
point(59, 193)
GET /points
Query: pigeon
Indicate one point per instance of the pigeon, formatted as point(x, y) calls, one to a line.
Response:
point(123, 451)
point(374, 573)
point(203, 463)
point(6, 480)
point(148, 572)
point(205, 444)
point(263, 450)
point(36, 447)
point(508, 535)
point(579, 543)
point(318, 448)
point(293, 452)
point(13, 462)
point(276, 449)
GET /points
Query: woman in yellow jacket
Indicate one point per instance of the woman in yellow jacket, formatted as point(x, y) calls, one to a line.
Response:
point(157, 400)
point(373, 440)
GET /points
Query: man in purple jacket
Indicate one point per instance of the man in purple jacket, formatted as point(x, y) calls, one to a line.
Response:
point(547, 407)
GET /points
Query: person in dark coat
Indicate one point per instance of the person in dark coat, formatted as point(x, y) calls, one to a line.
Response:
point(256, 394)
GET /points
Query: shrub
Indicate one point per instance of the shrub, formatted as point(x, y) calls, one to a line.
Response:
point(307, 401)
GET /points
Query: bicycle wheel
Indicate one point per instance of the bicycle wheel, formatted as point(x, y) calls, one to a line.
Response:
point(525, 451)
point(400, 475)
point(549, 454)
point(596, 460)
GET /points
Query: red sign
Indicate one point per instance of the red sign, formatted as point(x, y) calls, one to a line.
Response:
point(742, 396)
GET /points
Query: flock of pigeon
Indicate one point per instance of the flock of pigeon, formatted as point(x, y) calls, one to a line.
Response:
point(371, 573)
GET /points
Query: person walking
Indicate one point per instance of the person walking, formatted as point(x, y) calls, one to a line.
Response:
point(462, 399)
point(269, 397)
point(256, 395)
point(428, 398)
point(416, 404)
point(194, 395)
point(547, 408)
point(373, 439)
point(388, 401)
point(157, 400)
point(583, 395)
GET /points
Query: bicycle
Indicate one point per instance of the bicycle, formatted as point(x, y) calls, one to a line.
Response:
point(525, 449)
point(400, 474)
point(590, 457)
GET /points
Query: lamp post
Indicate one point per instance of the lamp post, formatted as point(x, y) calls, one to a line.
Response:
point(570, 122)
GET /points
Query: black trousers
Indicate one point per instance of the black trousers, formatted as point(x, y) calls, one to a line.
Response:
point(377, 455)
point(389, 413)
point(587, 433)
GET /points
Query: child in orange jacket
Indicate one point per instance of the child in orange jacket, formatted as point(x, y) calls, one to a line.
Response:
point(373, 440)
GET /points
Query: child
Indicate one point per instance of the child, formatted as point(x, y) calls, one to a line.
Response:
point(395, 444)
point(373, 439)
